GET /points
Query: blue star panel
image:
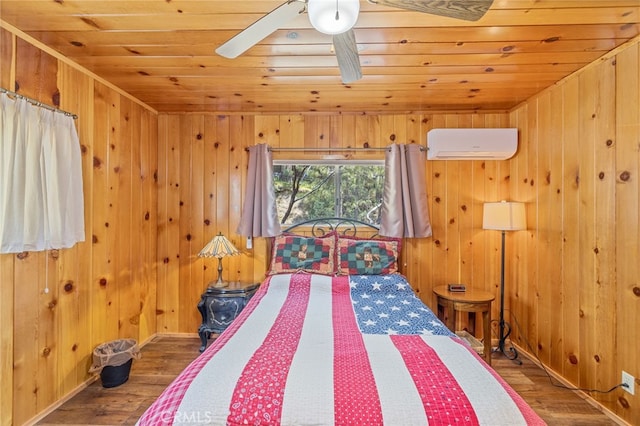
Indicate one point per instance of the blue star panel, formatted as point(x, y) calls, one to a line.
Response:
point(386, 304)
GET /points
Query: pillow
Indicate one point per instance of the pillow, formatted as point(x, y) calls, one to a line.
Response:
point(294, 253)
point(367, 257)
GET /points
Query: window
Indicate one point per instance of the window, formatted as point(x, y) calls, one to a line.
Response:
point(313, 190)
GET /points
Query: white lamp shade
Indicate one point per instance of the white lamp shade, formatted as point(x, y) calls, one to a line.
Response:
point(504, 216)
point(333, 16)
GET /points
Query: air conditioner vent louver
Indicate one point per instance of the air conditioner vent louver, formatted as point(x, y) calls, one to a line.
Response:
point(471, 144)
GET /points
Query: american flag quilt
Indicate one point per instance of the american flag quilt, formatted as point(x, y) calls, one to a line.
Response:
point(313, 349)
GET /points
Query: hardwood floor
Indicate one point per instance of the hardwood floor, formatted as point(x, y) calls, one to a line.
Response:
point(164, 357)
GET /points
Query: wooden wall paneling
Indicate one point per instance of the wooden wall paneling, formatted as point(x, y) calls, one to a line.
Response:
point(335, 139)
point(490, 239)
point(49, 321)
point(605, 285)
point(311, 135)
point(111, 216)
point(168, 214)
point(374, 131)
point(234, 187)
point(36, 74)
point(174, 211)
point(586, 292)
point(518, 179)
point(627, 232)
point(464, 212)
point(127, 304)
point(425, 253)
point(100, 233)
point(138, 244)
point(438, 212)
point(209, 192)
point(294, 136)
point(189, 290)
point(26, 343)
point(7, 54)
point(451, 203)
point(147, 219)
point(223, 169)
point(570, 368)
point(529, 258)
point(555, 138)
point(347, 135)
point(387, 130)
point(267, 130)
point(544, 255)
point(71, 327)
point(6, 338)
point(473, 206)
point(290, 130)
point(77, 95)
point(195, 235)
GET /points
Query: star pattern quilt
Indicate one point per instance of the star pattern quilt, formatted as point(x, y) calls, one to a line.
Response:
point(311, 349)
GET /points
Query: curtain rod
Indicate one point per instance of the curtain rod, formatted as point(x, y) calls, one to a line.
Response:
point(329, 149)
point(38, 103)
point(325, 149)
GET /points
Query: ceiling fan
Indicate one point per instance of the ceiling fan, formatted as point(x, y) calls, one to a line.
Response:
point(336, 18)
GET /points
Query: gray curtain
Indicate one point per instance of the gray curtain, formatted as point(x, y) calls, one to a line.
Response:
point(404, 201)
point(259, 214)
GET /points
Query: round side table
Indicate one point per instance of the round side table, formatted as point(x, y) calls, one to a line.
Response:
point(472, 301)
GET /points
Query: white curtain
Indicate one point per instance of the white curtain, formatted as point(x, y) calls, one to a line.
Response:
point(259, 212)
point(404, 200)
point(41, 200)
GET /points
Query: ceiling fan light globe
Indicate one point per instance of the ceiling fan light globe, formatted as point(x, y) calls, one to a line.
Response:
point(322, 15)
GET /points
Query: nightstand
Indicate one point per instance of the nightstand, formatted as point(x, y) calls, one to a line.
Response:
point(220, 306)
point(471, 301)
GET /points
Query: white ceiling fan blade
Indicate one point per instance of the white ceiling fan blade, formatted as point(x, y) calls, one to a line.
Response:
point(260, 29)
point(347, 55)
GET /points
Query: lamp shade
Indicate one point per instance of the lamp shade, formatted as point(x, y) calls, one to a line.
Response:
point(219, 247)
point(333, 16)
point(504, 216)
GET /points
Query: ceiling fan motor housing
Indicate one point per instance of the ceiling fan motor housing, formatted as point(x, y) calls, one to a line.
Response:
point(333, 16)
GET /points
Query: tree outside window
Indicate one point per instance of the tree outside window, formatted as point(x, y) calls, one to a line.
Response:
point(311, 191)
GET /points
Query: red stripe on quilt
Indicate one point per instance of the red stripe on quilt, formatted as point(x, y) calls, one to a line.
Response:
point(165, 408)
point(444, 401)
point(530, 416)
point(356, 394)
point(257, 398)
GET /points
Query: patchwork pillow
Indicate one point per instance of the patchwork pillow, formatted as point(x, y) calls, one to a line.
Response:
point(367, 257)
point(295, 253)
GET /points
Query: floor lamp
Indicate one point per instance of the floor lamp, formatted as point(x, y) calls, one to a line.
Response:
point(504, 216)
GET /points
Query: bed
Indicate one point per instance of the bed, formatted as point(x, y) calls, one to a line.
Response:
point(336, 335)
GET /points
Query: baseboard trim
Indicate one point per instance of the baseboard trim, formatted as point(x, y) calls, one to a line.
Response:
point(594, 403)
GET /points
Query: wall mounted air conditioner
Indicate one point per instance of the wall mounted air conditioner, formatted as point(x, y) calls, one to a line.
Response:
point(471, 144)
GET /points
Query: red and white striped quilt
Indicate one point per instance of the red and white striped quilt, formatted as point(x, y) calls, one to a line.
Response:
point(296, 356)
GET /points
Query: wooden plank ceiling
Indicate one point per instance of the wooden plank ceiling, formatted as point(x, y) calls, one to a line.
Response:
point(162, 52)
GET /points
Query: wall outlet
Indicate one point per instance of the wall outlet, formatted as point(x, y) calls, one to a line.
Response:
point(628, 383)
point(249, 242)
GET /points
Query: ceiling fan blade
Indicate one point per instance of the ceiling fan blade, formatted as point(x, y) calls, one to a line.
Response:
point(260, 29)
point(469, 10)
point(347, 54)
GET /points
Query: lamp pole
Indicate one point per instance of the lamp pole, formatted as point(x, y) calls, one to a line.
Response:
point(512, 354)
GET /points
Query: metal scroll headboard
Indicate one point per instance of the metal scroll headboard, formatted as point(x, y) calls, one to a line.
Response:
point(342, 226)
